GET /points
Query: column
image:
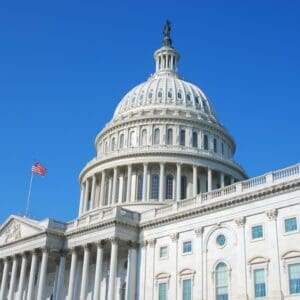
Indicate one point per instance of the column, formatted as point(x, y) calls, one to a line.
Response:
point(33, 269)
point(161, 181)
point(102, 192)
point(275, 291)
point(22, 276)
point(93, 194)
point(199, 275)
point(150, 265)
point(195, 181)
point(129, 178)
point(81, 199)
point(13, 278)
point(145, 177)
point(173, 256)
point(109, 190)
point(98, 272)
point(113, 269)
point(114, 188)
point(60, 275)
point(222, 179)
point(241, 284)
point(86, 196)
point(72, 274)
point(131, 271)
point(231, 180)
point(209, 180)
point(43, 274)
point(178, 182)
point(4, 278)
point(85, 272)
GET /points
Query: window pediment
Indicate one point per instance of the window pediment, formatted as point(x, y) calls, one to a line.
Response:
point(291, 254)
point(258, 260)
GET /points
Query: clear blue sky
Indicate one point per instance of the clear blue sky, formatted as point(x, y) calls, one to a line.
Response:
point(64, 66)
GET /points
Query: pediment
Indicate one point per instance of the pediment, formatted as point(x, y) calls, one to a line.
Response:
point(16, 228)
point(258, 260)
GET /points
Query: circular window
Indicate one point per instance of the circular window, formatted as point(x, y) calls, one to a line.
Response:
point(221, 240)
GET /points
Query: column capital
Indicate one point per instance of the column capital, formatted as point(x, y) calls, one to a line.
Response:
point(162, 164)
point(63, 252)
point(86, 247)
point(132, 244)
point(240, 222)
point(174, 236)
point(114, 240)
point(199, 231)
point(100, 244)
point(145, 164)
point(272, 214)
point(178, 165)
point(44, 249)
point(150, 242)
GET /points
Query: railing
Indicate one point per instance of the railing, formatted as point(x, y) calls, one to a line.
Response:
point(224, 193)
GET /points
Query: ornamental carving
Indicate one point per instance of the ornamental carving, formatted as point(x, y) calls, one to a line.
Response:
point(240, 222)
point(174, 237)
point(151, 242)
point(199, 231)
point(13, 233)
point(272, 214)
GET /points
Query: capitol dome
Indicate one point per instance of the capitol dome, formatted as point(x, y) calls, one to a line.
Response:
point(164, 143)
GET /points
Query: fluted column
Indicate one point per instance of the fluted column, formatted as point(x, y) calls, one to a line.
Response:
point(4, 280)
point(145, 178)
point(113, 269)
point(222, 179)
point(22, 276)
point(178, 182)
point(102, 192)
point(129, 178)
point(13, 278)
point(33, 269)
point(43, 274)
point(86, 195)
point(72, 274)
point(60, 276)
point(131, 271)
point(161, 181)
point(93, 194)
point(98, 272)
point(209, 180)
point(114, 189)
point(85, 272)
point(81, 199)
point(195, 181)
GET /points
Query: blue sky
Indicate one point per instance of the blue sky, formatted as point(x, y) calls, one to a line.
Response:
point(65, 65)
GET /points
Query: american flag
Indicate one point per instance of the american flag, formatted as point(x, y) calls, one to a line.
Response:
point(39, 169)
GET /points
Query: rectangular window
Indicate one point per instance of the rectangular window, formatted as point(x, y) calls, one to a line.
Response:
point(290, 224)
point(294, 278)
point(187, 289)
point(182, 137)
point(187, 247)
point(257, 232)
point(140, 187)
point(259, 283)
point(163, 252)
point(162, 291)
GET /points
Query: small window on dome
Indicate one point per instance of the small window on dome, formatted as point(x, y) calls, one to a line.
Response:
point(197, 99)
point(159, 94)
point(150, 95)
point(170, 94)
point(179, 95)
point(188, 97)
point(205, 107)
point(141, 96)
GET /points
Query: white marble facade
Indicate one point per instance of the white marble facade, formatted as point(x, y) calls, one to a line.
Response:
point(165, 212)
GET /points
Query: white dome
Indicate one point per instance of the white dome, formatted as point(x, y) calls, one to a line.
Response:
point(166, 90)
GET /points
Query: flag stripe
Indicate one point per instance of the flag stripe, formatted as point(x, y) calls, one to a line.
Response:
point(39, 169)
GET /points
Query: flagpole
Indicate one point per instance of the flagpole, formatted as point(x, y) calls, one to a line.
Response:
point(28, 197)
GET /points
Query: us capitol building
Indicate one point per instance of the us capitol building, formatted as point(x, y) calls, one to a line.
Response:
point(165, 212)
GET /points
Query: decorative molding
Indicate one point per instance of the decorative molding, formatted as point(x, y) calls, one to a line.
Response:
point(199, 231)
point(240, 222)
point(174, 236)
point(151, 242)
point(13, 232)
point(272, 214)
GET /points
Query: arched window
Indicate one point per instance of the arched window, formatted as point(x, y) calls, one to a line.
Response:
point(106, 147)
point(154, 186)
point(121, 141)
point(183, 187)
point(144, 137)
point(169, 186)
point(195, 139)
point(170, 136)
point(205, 142)
point(182, 137)
point(131, 138)
point(156, 139)
point(140, 187)
point(215, 145)
point(221, 282)
point(113, 144)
